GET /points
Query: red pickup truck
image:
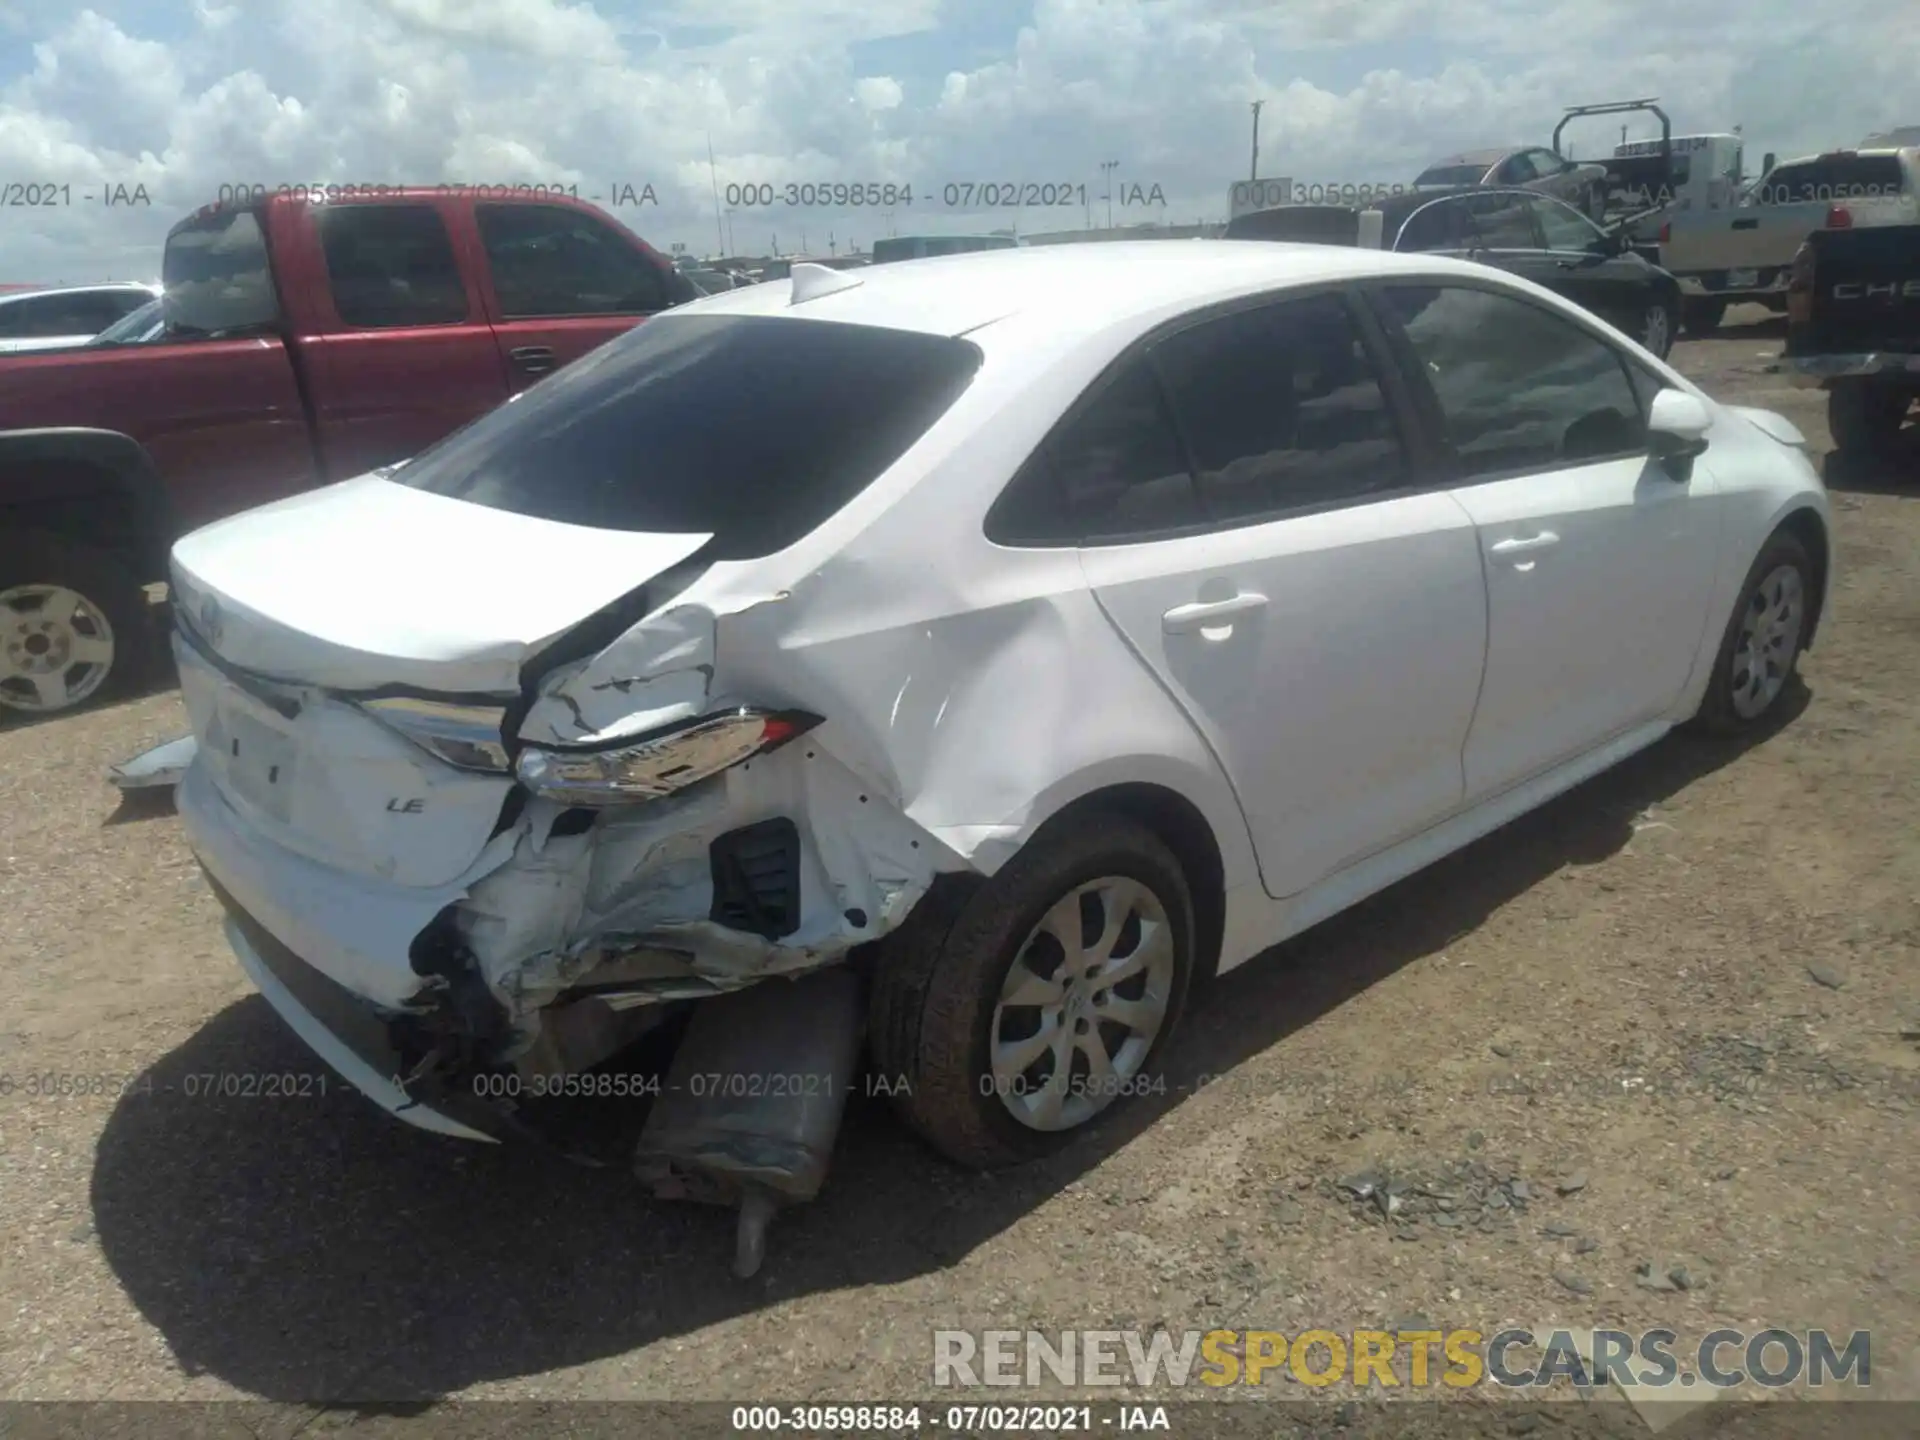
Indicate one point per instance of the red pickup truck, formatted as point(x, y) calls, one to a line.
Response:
point(307, 339)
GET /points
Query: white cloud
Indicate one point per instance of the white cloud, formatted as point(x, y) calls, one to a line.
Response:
point(878, 92)
point(184, 96)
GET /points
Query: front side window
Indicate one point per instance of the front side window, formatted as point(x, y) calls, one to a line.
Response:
point(1518, 387)
point(752, 429)
point(216, 275)
point(391, 265)
point(1281, 409)
point(550, 261)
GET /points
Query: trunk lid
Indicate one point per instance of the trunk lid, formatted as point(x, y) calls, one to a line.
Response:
point(289, 612)
point(367, 583)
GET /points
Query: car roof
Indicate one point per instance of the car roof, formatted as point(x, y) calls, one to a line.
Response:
point(1482, 157)
point(109, 286)
point(1077, 291)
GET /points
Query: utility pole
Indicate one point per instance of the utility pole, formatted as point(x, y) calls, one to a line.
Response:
point(1253, 170)
point(1107, 167)
point(719, 231)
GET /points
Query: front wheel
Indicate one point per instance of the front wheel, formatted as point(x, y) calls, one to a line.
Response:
point(1658, 321)
point(73, 624)
point(1042, 1000)
point(1762, 645)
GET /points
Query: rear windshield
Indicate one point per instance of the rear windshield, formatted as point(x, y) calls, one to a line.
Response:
point(1833, 177)
point(216, 275)
point(1314, 224)
point(1452, 175)
point(752, 428)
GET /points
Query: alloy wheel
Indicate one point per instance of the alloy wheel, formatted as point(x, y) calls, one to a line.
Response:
point(1082, 1004)
point(1769, 641)
point(1656, 330)
point(56, 648)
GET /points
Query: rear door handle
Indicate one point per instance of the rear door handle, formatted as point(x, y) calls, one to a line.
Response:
point(1183, 619)
point(1545, 540)
point(534, 359)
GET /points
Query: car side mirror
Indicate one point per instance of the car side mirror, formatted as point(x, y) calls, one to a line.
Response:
point(1677, 425)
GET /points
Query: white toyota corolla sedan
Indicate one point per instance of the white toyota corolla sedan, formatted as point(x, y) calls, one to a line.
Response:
point(1022, 634)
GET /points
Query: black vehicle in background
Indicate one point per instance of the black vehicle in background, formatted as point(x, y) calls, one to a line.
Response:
point(1853, 330)
point(1513, 229)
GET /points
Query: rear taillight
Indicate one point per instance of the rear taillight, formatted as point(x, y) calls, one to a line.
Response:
point(1666, 232)
point(1839, 217)
point(660, 764)
point(1800, 285)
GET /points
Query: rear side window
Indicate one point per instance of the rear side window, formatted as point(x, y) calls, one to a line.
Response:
point(550, 261)
point(216, 275)
point(1280, 409)
point(391, 265)
point(753, 429)
point(1113, 471)
point(1518, 387)
point(1834, 177)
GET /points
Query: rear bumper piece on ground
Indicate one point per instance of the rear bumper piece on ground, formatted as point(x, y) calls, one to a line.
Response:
point(1810, 372)
point(159, 767)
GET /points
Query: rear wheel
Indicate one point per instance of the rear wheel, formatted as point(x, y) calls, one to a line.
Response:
point(1020, 1014)
point(1866, 418)
point(1761, 647)
point(1702, 317)
point(73, 624)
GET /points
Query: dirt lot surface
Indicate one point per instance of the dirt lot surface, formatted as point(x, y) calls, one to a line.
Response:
point(1683, 995)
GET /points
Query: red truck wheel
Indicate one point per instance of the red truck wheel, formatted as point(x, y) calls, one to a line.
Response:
point(74, 625)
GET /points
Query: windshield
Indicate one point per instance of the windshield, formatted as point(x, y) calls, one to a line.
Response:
point(751, 428)
point(135, 327)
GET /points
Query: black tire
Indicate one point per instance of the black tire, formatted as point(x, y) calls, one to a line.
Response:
point(937, 981)
point(1700, 318)
point(1718, 714)
point(1661, 344)
point(106, 583)
point(1866, 419)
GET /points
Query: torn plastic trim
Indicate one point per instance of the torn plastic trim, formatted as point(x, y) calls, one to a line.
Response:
point(624, 910)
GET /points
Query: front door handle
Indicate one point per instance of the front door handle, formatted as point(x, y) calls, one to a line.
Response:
point(533, 359)
point(1545, 540)
point(1203, 614)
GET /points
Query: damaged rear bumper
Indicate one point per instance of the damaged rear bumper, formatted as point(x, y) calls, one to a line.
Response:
point(560, 944)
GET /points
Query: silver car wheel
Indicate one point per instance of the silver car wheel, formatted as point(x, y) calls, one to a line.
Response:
point(1082, 1004)
point(1771, 627)
point(1656, 330)
point(56, 648)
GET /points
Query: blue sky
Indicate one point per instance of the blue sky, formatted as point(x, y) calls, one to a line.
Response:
point(184, 95)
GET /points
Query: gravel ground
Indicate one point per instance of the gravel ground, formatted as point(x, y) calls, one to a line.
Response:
point(1643, 1058)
